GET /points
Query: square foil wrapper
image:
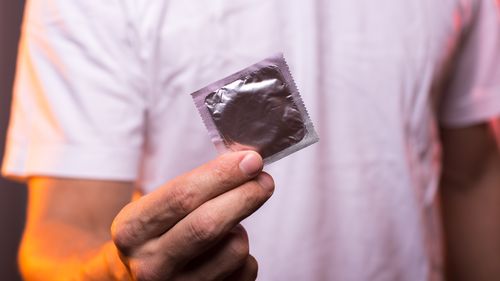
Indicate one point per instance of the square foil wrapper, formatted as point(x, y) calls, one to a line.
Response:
point(258, 108)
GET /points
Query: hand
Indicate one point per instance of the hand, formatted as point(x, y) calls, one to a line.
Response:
point(188, 229)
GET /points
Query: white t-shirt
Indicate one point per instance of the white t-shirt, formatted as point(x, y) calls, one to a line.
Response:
point(102, 92)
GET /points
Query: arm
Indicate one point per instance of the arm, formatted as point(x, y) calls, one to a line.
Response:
point(186, 229)
point(67, 228)
point(470, 193)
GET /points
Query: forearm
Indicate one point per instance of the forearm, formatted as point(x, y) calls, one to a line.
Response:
point(67, 229)
point(470, 194)
point(60, 252)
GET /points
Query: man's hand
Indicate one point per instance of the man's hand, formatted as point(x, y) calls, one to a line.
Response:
point(189, 228)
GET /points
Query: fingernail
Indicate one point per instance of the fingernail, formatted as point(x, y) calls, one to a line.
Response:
point(266, 181)
point(251, 164)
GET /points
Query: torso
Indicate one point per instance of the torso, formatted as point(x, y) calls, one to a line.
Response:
point(359, 205)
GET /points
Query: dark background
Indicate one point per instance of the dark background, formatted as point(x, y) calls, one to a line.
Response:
point(12, 196)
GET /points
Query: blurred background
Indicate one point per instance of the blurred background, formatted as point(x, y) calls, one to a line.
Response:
point(12, 195)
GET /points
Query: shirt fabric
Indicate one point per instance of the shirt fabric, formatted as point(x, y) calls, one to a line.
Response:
point(102, 92)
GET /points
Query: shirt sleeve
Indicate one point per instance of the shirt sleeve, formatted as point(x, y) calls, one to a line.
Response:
point(78, 104)
point(473, 94)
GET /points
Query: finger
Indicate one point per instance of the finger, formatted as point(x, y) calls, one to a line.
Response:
point(212, 221)
point(248, 272)
point(222, 260)
point(155, 213)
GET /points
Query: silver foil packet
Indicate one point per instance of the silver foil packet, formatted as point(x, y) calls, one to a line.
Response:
point(258, 108)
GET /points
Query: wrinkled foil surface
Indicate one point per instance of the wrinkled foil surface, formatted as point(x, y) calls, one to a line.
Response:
point(257, 112)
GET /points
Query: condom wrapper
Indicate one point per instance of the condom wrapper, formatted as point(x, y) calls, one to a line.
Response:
point(258, 108)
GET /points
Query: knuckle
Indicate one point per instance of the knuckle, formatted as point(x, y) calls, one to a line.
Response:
point(149, 270)
point(123, 233)
point(240, 249)
point(240, 231)
point(204, 228)
point(142, 273)
point(251, 195)
point(121, 238)
point(182, 200)
point(222, 173)
point(253, 267)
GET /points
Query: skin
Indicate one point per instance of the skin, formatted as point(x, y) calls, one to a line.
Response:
point(192, 233)
point(470, 194)
point(188, 229)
